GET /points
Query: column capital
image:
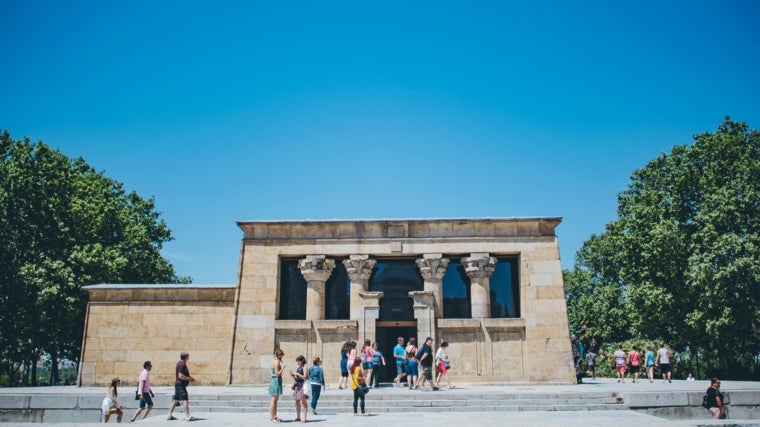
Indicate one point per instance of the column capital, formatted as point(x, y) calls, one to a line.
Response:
point(432, 267)
point(316, 267)
point(359, 267)
point(479, 265)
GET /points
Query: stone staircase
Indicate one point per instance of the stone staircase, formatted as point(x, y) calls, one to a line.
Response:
point(403, 400)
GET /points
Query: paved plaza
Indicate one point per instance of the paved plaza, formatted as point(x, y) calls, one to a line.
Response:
point(344, 418)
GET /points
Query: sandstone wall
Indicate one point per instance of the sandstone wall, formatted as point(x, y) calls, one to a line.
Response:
point(129, 324)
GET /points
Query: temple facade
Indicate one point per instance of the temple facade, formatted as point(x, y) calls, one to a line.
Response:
point(492, 288)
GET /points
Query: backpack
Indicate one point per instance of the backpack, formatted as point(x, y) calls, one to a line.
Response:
point(704, 402)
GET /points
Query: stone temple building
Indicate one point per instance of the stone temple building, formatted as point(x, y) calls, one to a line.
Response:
point(492, 288)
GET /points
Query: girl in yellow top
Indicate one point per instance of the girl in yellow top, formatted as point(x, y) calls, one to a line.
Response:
point(356, 378)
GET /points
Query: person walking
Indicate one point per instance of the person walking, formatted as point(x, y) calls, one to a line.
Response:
point(634, 362)
point(275, 384)
point(317, 380)
point(663, 361)
point(356, 380)
point(110, 404)
point(399, 355)
point(367, 361)
point(344, 364)
point(378, 362)
point(299, 394)
point(591, 364)
point(715, 403)
point(425, 356)
point(411, 363)
point(442, 362)
point(618, 363)
point(182, 379)
point(144, 393)
point(649, 363)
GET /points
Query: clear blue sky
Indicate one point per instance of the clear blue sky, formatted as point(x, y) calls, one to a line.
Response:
point(227, 111)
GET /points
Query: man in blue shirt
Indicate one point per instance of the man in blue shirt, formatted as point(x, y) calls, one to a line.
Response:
point(399, 353)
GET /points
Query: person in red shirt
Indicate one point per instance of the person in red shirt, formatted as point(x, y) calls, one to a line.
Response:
point(634, 362)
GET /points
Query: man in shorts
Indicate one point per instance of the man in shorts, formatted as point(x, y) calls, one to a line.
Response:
point(144, 393)
point(425, 356)
point(182, 380)
point(663, 361)
point(618, 362)
point(591, 365)
point(399, 353)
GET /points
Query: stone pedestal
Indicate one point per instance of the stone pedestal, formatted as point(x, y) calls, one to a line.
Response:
point(432, 268)
point(316, 269)
point(359, 269)
point(479, 268)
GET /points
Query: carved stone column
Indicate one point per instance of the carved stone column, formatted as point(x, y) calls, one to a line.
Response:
point(479, 267)
point(359, 269)
point(433, 267)
point(424, 312)
point(316, 269)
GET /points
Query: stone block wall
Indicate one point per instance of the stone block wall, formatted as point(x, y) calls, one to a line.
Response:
point(129, 324)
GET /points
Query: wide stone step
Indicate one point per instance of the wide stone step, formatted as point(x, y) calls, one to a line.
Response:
point(421, 401)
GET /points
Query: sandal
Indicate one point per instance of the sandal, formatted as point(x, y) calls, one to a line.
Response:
point(192, 419)
point(171, 418)
point(275, 420)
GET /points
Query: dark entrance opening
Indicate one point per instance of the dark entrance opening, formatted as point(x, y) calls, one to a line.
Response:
point(387, 334)
point(395, 278)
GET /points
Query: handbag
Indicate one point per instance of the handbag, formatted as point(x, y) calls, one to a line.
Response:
point(137, 395)
point(363, 389)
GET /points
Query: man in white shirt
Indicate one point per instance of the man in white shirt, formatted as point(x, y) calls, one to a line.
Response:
point(663, 361)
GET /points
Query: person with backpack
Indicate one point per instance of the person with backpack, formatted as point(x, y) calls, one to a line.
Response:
point(425, 356)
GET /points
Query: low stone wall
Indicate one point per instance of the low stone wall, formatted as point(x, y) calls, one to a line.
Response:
point(126, 325)
point(680, 405)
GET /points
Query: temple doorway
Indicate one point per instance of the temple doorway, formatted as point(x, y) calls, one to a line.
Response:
point(387, 335)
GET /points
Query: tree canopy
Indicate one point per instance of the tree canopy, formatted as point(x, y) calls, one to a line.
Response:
point(682, 261)
point(64, 225)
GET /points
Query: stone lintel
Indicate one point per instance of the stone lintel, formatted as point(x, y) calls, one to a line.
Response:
point(395, 229)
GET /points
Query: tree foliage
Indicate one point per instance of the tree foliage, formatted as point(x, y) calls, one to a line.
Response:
point(683, 257)
point(64, 225)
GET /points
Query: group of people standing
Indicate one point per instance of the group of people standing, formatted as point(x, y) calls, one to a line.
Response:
point(416, 364)
point(144, 393)
point(314, 375)
point(359, 370)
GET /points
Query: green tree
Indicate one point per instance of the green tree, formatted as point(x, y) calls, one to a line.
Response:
point(64, 225)
point(687, 250)
point(595, 293)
